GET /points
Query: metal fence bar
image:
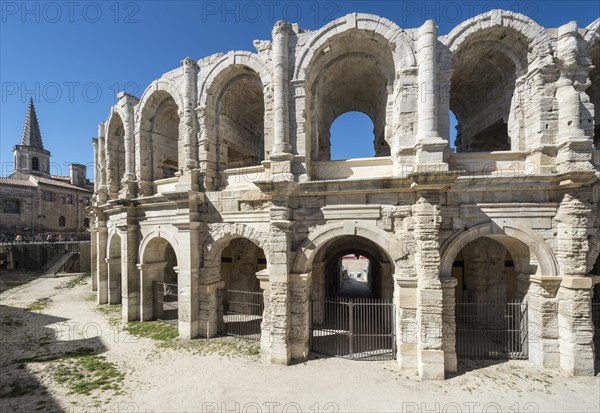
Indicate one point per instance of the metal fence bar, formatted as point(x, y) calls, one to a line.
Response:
point(358, 328)
point(241, 313)
point(492, 330)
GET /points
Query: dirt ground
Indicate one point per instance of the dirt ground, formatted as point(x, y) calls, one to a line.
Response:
point(51, 331)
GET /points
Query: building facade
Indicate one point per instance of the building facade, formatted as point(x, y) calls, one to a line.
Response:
point(35, 202)
point(218, 179)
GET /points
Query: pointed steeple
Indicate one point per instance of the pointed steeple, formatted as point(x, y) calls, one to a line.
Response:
point(31, 131)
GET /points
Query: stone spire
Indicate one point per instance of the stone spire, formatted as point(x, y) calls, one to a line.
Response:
point(31, 131)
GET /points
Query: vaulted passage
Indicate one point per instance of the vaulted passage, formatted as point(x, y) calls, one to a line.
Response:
point(352, 314)
point(491, 320)
point(159, 286)
point(485, 72)
point(241, 299)
point(115, 143)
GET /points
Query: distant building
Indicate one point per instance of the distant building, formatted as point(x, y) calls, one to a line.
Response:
point(32, 201)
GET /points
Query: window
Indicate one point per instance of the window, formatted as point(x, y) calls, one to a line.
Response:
point(48, 196)
point(35, 164)
point(61, 221)
point(69, 199)
point(11, 206)
point(86, 222)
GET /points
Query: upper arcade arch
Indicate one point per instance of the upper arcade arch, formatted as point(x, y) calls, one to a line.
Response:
point(115, 151)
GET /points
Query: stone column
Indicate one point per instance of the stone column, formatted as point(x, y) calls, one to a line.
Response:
point(266, 325)
point(102, 269)
point(299, 316)
point(128, 183)
point(210, 308)
point(542, 314)
point(449, 324)
point(102, 191)
point(574, 148)
point(94, 254)
point(187, 279)
point(405, 302)
point(279, 279)
point(430, 146)
point(430, 355)
point(96, 164)
point(129, 273)
point(575, 324)
point(188, 158)
point(280, 96)
point(114, 280)
point(149, 274)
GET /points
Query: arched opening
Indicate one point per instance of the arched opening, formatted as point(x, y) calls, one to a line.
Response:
point(35, 164)
point(486, 69)
point(159, 290)
point(352, 136)
point(240, 120)
point(351, 300)
point(350, 73)
point(594, 92)
point(453, 130)
point(160, 137)
point(491, 318)
point(114, 270)
point(115, 146)
point(596, 314)
point(242, 301)
point(62, 221)
point(86, 222)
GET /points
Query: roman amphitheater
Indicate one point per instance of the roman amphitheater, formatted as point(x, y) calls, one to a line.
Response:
point(217, 206)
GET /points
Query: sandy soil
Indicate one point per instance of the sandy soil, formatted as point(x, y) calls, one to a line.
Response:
point(182, 378)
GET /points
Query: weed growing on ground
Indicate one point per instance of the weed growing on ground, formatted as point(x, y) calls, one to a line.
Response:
point(39, 305)
point(81, 280)
point(112, 312)
point(155, 330)
point(85, 374)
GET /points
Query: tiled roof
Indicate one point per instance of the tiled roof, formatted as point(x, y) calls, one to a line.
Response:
point(17, 182)
point(62, 184)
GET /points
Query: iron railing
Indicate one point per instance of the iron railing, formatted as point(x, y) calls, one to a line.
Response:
point(241, 313)
point(166, 302)
point(357, 328)
point(492, 330)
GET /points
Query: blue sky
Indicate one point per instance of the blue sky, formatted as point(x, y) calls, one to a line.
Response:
point(74, 56)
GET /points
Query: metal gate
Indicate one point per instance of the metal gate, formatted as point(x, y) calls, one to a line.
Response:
point(242, 313)
point(492, 330)
point(165, 301)
point(357, 328)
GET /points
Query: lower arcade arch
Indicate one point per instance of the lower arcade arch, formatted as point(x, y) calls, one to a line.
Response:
point(159, 287)
point(241, 300)
point(491, 298)
point(351, 310)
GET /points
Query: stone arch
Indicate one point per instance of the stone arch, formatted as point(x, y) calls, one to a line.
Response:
point(328, 232)
point(221, 234)
point(491, 99)
point(113, 237)
point(236, 101)
point(593, 91)
point(547, 264)
point(158, 233)
point(401, 42)
point(593, 33)
point(162, 98)
point(537, 37)
point(242, 58)
point(115, 150)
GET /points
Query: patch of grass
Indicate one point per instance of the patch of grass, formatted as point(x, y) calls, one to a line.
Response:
point(81, 280)
point(155, 330)
point(112, 312)
point(88, 373)
point(39, 305)
point(17, 389)
point(91, 297)
point(222, 346)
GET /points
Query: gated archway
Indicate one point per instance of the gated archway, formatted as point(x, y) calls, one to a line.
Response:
point(352, 312)
point(241, 300)
point(158, 275)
